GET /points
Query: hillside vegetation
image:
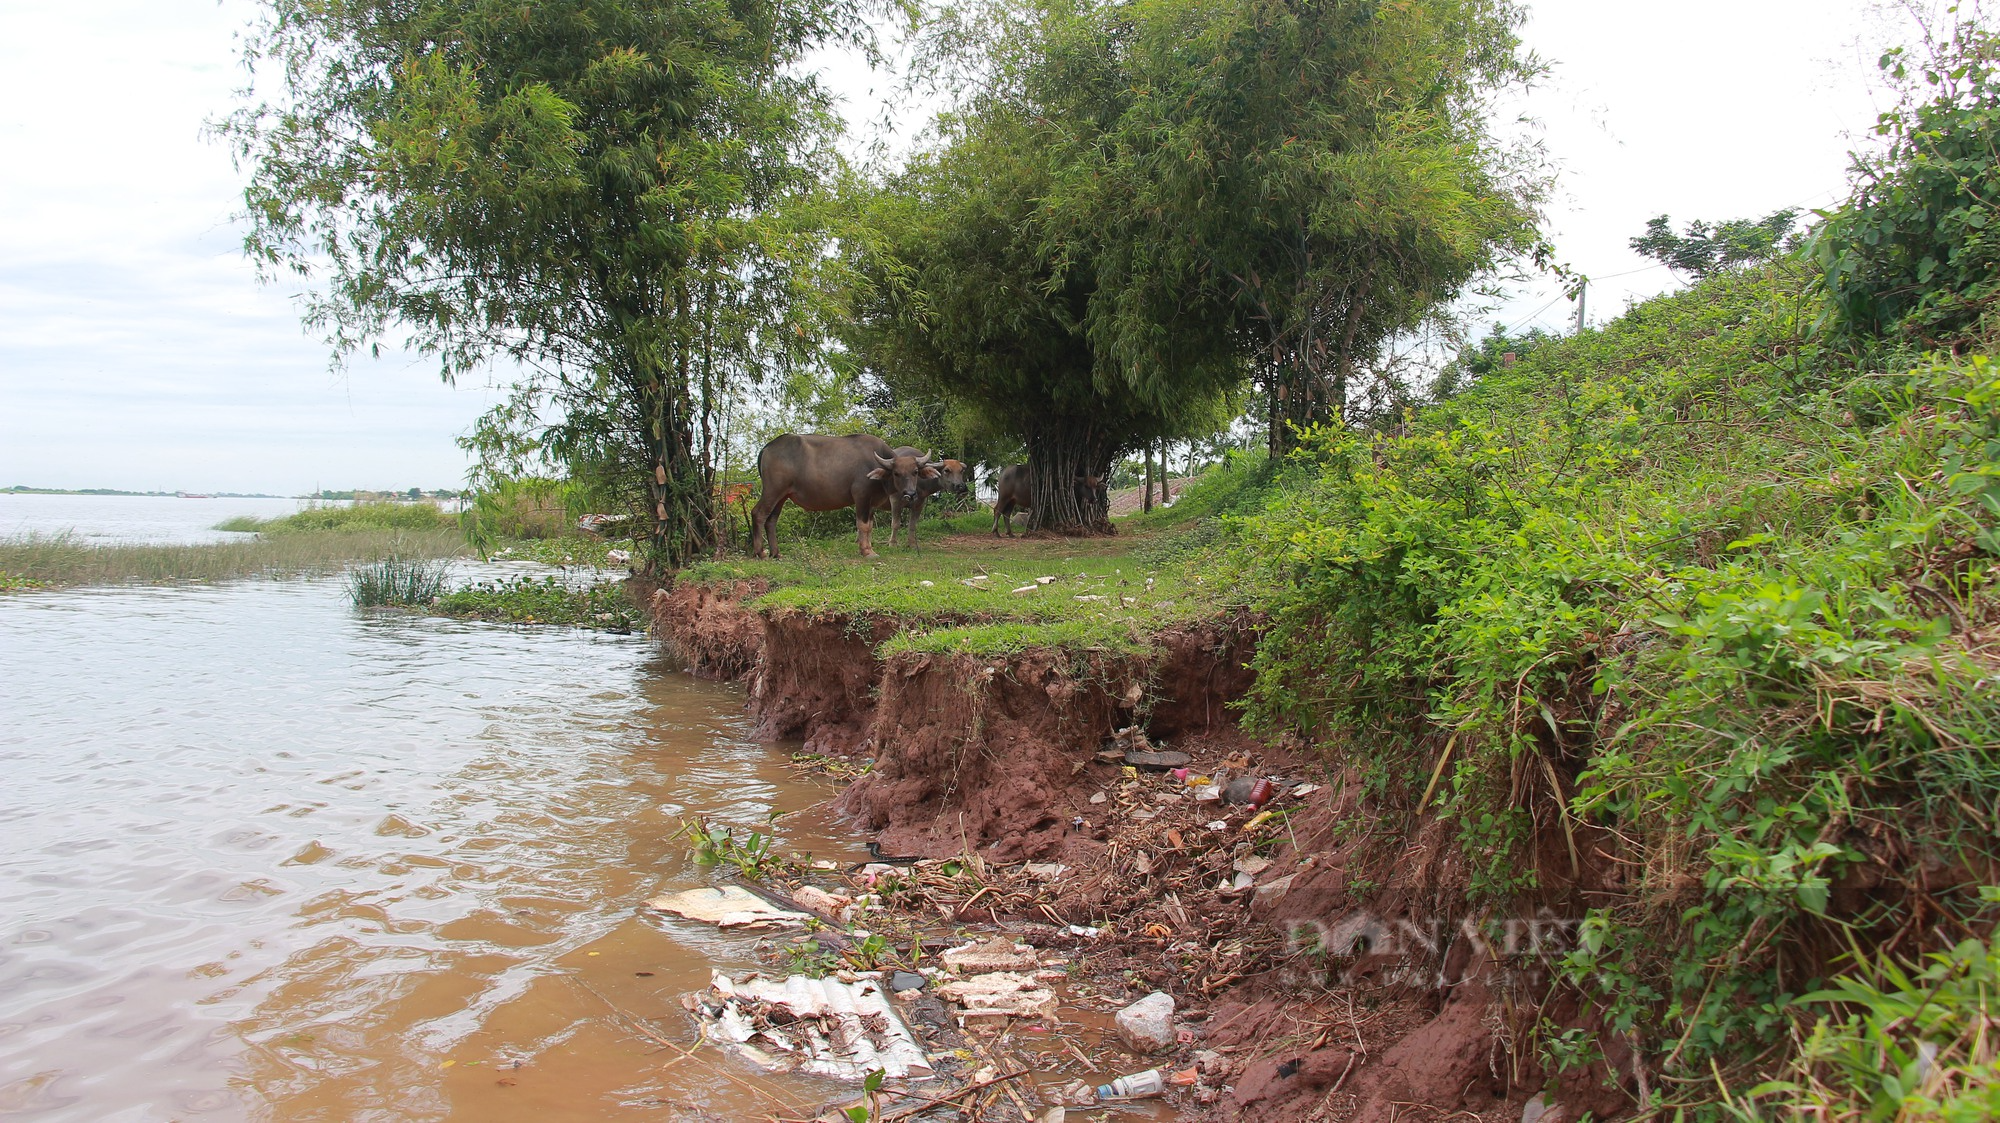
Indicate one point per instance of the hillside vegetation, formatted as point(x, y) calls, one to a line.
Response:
point(1707, 596)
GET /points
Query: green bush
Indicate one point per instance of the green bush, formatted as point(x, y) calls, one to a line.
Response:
point(1915, 252)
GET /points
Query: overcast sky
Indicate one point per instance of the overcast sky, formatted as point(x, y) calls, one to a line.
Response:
point(137, 350)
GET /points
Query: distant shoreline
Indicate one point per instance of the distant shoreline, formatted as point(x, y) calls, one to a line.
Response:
point(19, 490)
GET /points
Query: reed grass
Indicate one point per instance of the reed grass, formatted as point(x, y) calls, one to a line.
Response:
point(397, 581)
point(65, 559)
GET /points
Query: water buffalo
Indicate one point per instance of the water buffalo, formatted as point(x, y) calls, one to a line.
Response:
point(822, 473)
point(949, 475)
point(1017, 493)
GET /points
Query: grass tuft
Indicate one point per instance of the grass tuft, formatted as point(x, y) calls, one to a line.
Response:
point(397, 582)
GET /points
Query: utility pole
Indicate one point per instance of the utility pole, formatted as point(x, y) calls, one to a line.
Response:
point(1582, 287)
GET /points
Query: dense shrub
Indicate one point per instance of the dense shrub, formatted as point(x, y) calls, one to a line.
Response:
point(1692, 581)
point(1915, 253)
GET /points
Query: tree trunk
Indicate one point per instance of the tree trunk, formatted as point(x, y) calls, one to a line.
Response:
point(1148, 498)
point(1061, 458)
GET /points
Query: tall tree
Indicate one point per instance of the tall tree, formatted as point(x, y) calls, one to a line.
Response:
point(1318, 174)
point(968, 295)
point(585, 186)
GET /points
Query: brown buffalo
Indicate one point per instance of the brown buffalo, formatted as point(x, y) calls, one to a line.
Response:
point(822, 473)
point(1017, 493)
point(948, 475)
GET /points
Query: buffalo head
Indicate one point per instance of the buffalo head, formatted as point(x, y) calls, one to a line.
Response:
point(904, 475)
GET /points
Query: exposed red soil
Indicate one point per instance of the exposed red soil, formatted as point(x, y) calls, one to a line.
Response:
point(1351, 981)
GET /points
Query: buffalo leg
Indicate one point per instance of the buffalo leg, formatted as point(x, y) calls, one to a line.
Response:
point(764, 526)
point(916, 512)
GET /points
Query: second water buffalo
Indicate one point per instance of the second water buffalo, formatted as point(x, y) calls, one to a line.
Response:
point(949, 476)
point(1017, 493)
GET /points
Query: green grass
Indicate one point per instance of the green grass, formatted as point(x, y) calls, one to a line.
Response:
point(65, 559)
point(964, 592)
point(408, 517)
point(543, 600)
point(397, 582)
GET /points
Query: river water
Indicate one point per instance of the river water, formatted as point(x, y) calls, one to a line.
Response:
point(265, 857)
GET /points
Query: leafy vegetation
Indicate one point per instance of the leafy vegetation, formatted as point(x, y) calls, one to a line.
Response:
point(1692, 581)
point(1915, 255)
point(543, 600)
point(66, 559)
point(1710, 248)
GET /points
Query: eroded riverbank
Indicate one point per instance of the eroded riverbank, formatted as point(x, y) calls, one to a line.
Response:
point(1322, 946)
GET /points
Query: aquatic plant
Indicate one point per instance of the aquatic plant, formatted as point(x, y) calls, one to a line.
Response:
point(397, 582)
point(543, 600)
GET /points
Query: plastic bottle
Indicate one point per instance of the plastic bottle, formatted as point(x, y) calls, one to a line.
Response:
point(1148, 1083)
point(1261, 793)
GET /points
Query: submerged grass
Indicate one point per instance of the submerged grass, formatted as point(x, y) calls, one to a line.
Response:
point(66, 559)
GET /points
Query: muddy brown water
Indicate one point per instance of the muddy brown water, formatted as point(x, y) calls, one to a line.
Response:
point(265, 857)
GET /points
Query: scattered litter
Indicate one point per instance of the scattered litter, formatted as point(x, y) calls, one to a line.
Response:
point(836, 905)
point(1045, 871)
point(1271, 890)
point(1218, 825)
point(1087, 597)
point(1147, 1026)
point(1305, 789)
point(1242, 881)
point(996, 954)
point(1136, 1086)
point(1239, 790)
point(1043, 580)
point(1184, 1077)
point(1100, 797)
point(1157, 762)
point(820, 1026)
point(926, 584)
point(1000, 994)
point(1027, 588)
point(1207, 793)
point(729, 906)
point(1259, 819)
point(1251, 864)
point(1084, 931)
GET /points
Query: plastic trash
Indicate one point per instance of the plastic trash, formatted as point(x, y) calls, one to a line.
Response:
point(1136, 1086)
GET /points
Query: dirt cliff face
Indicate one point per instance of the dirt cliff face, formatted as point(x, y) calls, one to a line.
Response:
point(969, 753)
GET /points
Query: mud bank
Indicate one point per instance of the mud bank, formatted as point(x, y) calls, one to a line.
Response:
point(1323, 950)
